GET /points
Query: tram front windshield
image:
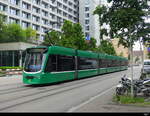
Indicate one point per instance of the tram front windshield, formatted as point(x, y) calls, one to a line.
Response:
point(34, 60)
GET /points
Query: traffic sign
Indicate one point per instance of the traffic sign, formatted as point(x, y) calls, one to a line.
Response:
point(148, 49)
point(88, 38)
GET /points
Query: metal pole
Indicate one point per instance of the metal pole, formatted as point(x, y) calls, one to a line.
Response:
point(100, 24)
point(142, 51)
point(131, 62)
point(132, 89)
point(20, 60)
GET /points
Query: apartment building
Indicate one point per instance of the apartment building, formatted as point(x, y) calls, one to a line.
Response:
point(41, 15)
point(90, 22)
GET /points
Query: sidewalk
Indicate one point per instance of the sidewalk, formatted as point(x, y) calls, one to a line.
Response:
point(104, 104)
point(11, 76)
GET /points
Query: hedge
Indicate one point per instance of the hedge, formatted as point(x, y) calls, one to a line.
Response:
point(7, 67)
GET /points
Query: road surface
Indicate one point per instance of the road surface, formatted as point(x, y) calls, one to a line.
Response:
point(64, 97)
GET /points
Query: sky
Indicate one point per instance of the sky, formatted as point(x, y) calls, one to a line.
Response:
point(136, 46)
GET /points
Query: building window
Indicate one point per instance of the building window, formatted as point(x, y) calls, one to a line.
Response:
point(44, 5)
point(16, 2)
point(43, 29)
point(87, 28)
point(25, 24)
point(14, 11)
point(45, 13)
point(9, 58)
point(44, 21)
point(87, 21)
point(36, 27)
point(36, 10)
point(26, 6)
point(87, 15)
point(3, 7)
point(26, 15)
point(37, 2)
point(35, 18)
point(87, 8)
point(12, 20)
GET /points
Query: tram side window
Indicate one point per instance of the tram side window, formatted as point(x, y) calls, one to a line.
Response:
point(51, 64)
point(115, 63)
point(66, 63)
point(126, 63)
point(118, 63)
point(103, 63)
point(121, 63)
point(60, 63)
point(87, 63)
point(109, 63)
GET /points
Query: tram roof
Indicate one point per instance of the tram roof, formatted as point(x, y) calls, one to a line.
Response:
point(81, 53)
point(62, 50)
point(87, 54)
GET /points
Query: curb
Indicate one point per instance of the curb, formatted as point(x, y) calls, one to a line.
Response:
point(3, 75)
point(14, 73)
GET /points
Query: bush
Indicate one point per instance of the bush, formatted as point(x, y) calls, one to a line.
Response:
point(7, 67)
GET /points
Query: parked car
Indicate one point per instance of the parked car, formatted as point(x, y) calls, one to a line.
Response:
point(145, 71)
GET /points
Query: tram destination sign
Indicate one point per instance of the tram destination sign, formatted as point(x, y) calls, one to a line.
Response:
point(36, 50)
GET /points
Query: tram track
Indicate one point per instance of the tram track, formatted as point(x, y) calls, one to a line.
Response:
point(12, 90)
point(28, 87)
point(46, 93)
point(24, 87)
point(5, 85)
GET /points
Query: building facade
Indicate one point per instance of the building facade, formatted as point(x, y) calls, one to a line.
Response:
point(41, 15)
point(120, 50)
point(13, 56)
point(90, 22)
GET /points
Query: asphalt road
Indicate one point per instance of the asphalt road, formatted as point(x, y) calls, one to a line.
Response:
point(64, 97)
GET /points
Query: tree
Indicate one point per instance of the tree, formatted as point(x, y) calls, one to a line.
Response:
point(30, 34)
point(79, 38)
point(107, 47)
point(121, 54)
point(91, 45)
point(52, 38)
point(71, 36)
point(67, 38)
point(124, 18)
point(15, 33)
point(137, 59)
point(3, 29)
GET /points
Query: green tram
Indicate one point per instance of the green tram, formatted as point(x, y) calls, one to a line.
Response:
point(53, 64)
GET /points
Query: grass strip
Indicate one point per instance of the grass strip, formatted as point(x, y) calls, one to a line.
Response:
point(139, 101)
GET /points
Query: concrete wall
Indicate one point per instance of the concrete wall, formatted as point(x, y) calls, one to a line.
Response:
point(15, 46)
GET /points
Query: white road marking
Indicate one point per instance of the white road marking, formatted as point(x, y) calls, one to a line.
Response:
point(88, 101)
